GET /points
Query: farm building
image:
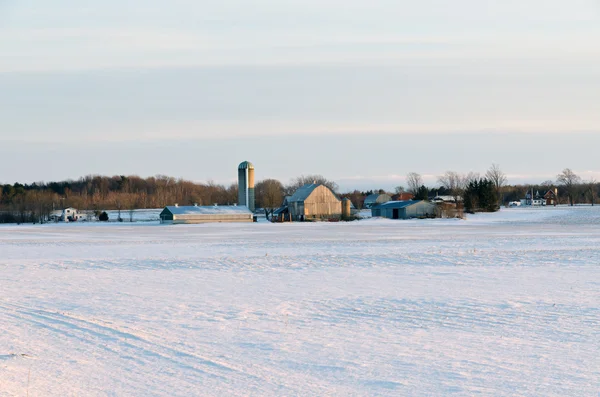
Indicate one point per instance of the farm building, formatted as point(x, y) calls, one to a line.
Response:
point(67, 215)
point(404, 209)
point(314, 201)
point(404, 196)
point(209, 214)
point(376, 199)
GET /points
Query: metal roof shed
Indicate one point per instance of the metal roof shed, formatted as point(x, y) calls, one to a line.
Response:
point(209, 214)
point(404, 209)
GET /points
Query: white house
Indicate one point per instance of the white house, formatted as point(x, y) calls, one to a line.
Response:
point(69, 214)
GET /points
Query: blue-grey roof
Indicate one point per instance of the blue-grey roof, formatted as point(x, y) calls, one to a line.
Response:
point(398, 204)
point(302, 193)
point(373, 198)
point(246, 165)
point(207, 210)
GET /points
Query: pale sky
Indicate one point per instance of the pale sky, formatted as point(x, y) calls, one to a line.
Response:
point(362, 92)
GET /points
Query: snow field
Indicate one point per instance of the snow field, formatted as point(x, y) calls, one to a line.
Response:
point(502, 304)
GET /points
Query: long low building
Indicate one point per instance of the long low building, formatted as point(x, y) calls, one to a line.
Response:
point(404, 209)
point(208, 214)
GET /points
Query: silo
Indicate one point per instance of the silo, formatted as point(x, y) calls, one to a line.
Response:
point(346, 208)
point(246, 185)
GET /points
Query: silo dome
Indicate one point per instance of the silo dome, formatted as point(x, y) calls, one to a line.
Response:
point(246, 165)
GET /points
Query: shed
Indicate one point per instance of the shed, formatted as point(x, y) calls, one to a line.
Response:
point(375, 199)
point(209, 214)
point(314, 201)
point(404, 209)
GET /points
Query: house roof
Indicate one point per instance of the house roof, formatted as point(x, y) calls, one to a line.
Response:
point(207, 210)
point(398, 204)
point(403, 196)
point(446, 198)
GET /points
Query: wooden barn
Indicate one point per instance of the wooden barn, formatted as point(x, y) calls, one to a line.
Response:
point(314, 201)
point(210, 214)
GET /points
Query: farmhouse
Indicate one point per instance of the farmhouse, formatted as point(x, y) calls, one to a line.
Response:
point(375, 199)
point(210, 214)
point(404, 209)
point(314, 201)
point(69, 214)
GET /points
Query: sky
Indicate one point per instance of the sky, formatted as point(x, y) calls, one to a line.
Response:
point(362, 92)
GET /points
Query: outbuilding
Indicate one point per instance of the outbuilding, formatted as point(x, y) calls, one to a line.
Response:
point(314, 201)
point(376, 199)
point(404, 209)
point(209, 214)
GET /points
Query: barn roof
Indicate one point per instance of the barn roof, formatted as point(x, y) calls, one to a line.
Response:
point(372, 198)
point(398, 204)
point(302, 193)
point(207, 210)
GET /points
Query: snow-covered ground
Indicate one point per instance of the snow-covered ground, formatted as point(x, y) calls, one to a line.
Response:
point(504, 304)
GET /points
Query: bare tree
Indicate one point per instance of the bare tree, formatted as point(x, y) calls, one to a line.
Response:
point(269, 195)
point(302, 180)
point(498, 178)
point(569, 181)
point(414, 182)
point(591, 187)
point(399, 189)
point(455, 183)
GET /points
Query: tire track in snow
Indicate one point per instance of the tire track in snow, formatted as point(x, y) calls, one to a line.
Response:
point(263, 379)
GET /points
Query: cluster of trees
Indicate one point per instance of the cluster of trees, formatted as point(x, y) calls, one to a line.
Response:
point(480, 195)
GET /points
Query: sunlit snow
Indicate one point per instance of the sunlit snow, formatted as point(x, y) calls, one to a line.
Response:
point(499, 304)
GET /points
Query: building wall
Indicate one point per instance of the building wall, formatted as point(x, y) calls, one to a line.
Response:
point(413, 211)
point(322, 203)
point(420, 209)
point(195, 219)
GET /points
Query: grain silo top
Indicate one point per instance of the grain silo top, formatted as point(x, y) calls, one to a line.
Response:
point(246, 165)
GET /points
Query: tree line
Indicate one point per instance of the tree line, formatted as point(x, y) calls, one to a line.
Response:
point(20, 203)
point(35, 202)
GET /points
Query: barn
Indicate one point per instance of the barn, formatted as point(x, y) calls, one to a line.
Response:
point(210, 214)
point(375, 199)
point(314, 201)
point(404, 209)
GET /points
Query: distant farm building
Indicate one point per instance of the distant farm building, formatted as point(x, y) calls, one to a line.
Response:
point(376, 199)
point(314, 201)
point(404, 209)
point(446, 199)
point(551, 197)
point(67, 215)
point(210, 214)
point(404, 196)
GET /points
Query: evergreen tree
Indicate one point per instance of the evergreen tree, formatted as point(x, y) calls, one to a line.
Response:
point(480, 195)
